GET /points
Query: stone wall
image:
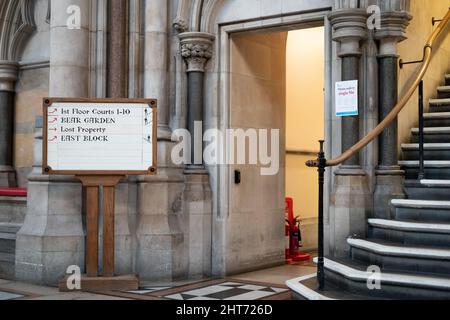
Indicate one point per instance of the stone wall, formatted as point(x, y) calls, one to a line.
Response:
point(412, 49)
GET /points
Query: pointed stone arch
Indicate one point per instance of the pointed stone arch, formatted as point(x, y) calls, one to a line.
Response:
point(197, 15)
point(16, 25)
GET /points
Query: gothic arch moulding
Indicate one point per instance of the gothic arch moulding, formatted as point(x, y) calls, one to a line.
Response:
point(197, 15)
point(16, 25)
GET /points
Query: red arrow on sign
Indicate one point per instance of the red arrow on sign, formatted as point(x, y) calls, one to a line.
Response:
point(52, 129)
point(54, 111)
point(53, 139)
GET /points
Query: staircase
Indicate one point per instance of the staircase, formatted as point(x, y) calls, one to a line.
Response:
point(12, 215)
point(413, 248)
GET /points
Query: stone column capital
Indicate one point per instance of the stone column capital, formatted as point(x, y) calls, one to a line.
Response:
point(392, 31)
point(8, 75)
point(350, 27)
point(196, 49)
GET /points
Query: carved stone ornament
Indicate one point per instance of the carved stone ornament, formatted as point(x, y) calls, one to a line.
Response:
point(196, 49)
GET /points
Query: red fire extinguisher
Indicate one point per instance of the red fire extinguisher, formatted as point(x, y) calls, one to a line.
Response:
point(292, 234)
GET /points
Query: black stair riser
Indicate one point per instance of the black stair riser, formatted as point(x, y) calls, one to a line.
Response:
point(387, 291)
point(428, 193)
point(7, 270)
point(7, 246)
point(436, 123)
point(421, 215)
point(410, 238)
point(447, 81)
point(439, 108)
point(443, 95)
point(428, 155)
point(430, 173)
point(431, 138)
point(402, 264)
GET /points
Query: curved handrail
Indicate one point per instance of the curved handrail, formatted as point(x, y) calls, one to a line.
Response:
point(428, 49)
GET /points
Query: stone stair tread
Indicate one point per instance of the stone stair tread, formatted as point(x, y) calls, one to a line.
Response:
point(435, 183)
point(428, 163)
point(440, 101)
point(427, 146)
point(443, 88)
point(7, 236)
point(9, 227)
point(437, 115)
point(432, 130)
point(410, 226)
point(381, 248)
point(421, 204)
point(399, 279)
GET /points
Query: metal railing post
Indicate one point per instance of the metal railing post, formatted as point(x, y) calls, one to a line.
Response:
point(320, 265)
point(421, 135)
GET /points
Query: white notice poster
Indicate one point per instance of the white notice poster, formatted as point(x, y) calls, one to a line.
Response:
point(99, 136)
point(347, 98)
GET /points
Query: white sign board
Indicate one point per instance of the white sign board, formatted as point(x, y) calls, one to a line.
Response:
point(347, 98)
point(101, 136)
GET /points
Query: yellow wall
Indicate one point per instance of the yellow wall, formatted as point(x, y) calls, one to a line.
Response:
point(411, 49)
point(305, 115)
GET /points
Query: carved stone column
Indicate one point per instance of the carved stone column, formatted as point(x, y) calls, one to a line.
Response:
point(160, 238)
point(196, 49)
point(389, 177)
point(8, 77)
point(351, 198)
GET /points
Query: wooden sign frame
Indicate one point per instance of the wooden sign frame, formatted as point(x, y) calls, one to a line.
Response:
point(47, 170)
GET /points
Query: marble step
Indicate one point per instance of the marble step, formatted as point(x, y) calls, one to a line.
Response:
point(432, 151)
point(427, 190)
point(432, 135)
point(426, 211)
point(410, 233)
point(354, 277)
point(437, 119)
point(395, 257)
point(444, 92)
point(434, 169)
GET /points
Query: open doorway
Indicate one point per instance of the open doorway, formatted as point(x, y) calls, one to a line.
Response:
point(276, 83)
point(304, 125)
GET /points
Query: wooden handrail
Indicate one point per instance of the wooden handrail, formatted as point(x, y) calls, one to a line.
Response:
point(428, 49)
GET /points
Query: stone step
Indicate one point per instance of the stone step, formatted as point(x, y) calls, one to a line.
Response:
point(447, 79)
point(433, 169)
point(430, 211)
point(354, 277)
point(444, 92)
point(439, 105)
point(437, 119)
point(432, 151)
point(416, 190)
point(432, 135)
point(7, 265)
point(8, 233)
point(394, 257)
point(410, 233)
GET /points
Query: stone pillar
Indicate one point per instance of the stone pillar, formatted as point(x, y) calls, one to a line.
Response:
point(52, 237)
point(196, 49)
point(160, 238)
point(389, 177)
point(117, 49)
point(156, 73)
point(351, 198)
point(117, 88)
point(8, 77)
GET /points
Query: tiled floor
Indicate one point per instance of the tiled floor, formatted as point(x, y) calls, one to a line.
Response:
point(268, 284)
